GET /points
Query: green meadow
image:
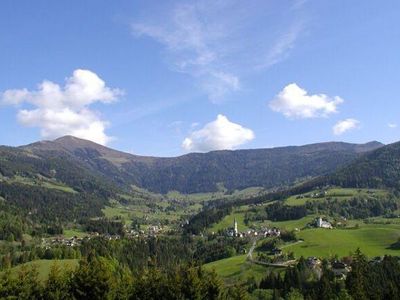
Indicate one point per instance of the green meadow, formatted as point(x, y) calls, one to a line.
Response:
point(44, 266)
point(338, 193)
point(237, 268)
point(372, 239)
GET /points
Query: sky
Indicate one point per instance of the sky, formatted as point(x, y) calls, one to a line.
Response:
point(165, 78)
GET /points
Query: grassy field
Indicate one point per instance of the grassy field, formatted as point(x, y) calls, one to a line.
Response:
point(339, 193)
point(237, 268)
point(69, 233)
point(43, 182)
point(199, 197)
point(44, 266)
point(372, 239)
point(111, 212)
point(291, 224)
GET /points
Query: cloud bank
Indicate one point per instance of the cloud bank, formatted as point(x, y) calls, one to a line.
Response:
point(218, 135)
point(345, 125)
point(295, 102)
point(59, 111)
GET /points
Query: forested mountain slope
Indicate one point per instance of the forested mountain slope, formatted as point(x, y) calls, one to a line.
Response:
point(379, 168)
point(202, 172)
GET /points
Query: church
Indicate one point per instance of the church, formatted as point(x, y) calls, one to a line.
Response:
point(233, 231)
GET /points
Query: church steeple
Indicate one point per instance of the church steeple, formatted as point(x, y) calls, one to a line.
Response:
point(235, 227)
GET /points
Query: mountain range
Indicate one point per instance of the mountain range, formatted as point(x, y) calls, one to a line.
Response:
point(190, 173)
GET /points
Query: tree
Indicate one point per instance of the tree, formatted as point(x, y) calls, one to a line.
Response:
point(92, 279)
point(356, 280)
point(294, 294)
point(58, 284)
point(28, 285)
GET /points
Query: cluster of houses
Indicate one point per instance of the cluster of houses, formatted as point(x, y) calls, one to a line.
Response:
point(340, 269)
point(264, 232)
point(75, 241)
point(319, 194)
point(58, 241)
point(152, 230)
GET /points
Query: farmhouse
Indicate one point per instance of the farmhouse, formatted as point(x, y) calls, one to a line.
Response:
point(340, 269)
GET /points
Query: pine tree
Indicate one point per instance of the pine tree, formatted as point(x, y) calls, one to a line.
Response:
point(28, 285)
point(92, 279)
point(58, 284)
point(356, 280)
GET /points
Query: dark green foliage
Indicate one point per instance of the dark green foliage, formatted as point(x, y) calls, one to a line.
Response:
point(356, 207)
point(48, 205)
point(105, 226)
point(12, 224)
point(243, 168)
point(380, 168)
point(100, 278)
point(57, 285)
point(216, 248)
point(142, 253)
point(280, 212)
point(199, 222)
point(366, 280)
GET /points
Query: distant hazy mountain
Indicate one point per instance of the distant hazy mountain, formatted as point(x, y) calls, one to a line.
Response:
point(195, 172)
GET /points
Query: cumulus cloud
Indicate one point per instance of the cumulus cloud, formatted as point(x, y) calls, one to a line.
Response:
point(345, 125)
point(392, 125)
point(59, 111)
point(218, 135)
point(294, 102)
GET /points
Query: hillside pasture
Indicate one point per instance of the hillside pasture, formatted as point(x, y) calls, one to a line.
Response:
point(44, 266)
point(338, 193)
point(372, 239)
point(237, 268)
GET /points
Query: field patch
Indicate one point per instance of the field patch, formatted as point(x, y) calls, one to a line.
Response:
point(44, 266)
point(373, 240)
point(237, 268)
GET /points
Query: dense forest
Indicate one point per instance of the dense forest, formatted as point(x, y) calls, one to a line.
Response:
point(50, 205)
point(99, 277)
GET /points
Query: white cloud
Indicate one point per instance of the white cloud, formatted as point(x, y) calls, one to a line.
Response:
point(345, 125)
point(392, 125)
point(65, 110)
point(220, 84)
point(218, 135)
point(216, 42)
point(281, 48)
point(294, 102)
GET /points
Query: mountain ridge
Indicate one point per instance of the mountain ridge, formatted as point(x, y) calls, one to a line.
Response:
point(67, 140)
point(204, 172)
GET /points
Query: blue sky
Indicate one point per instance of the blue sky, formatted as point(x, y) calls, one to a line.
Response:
point(169, 77)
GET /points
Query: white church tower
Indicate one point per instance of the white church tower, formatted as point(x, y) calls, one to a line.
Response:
point(235, 228)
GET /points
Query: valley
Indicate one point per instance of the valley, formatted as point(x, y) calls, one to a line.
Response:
point(63, 200)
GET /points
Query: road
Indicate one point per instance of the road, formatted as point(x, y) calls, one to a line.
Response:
point(250, 254)
point(283, 264)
